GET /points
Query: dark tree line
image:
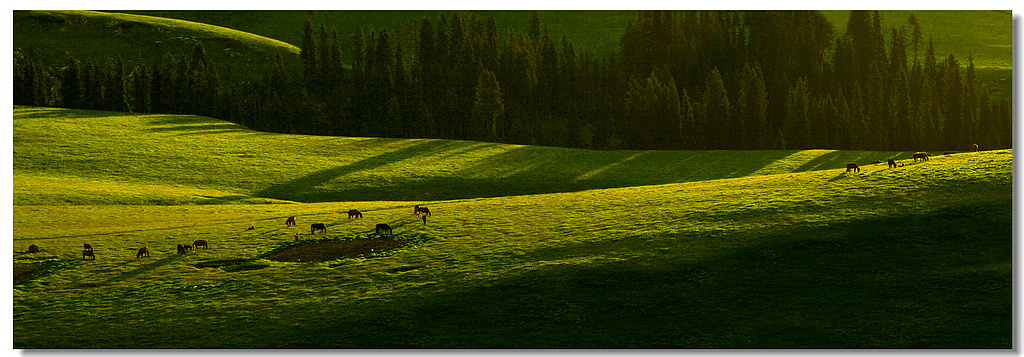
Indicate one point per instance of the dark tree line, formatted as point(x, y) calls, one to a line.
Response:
point(682, 80)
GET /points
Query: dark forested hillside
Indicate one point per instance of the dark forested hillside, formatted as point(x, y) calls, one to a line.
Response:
point(680, 80)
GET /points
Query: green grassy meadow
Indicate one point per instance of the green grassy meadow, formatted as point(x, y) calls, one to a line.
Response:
point(53, 35)
point(526, 247)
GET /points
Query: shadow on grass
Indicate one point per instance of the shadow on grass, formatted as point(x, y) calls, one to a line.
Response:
point(142, 269)
point(304, 189)
point(21, 112)
point(936, 280)
point(213, 128)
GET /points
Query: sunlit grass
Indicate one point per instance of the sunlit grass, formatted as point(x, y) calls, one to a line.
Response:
point(580, 249)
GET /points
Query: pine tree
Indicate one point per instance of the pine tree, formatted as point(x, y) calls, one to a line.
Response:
point(719, 111)
point(952, 98)
point(140, 89)
point(71, 85)
point(308, 52)
point(797, 130)
point(488, 108)
point(117, 94)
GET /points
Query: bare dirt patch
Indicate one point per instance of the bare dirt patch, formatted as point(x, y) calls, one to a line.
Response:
point(28, 270)
point(232, 265)
point(336, 249)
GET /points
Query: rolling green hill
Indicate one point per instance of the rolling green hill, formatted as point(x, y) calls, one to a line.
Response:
point(526, 247)
point(50, 36)
point(195, 159)
point(594, 31)
point(985, 35)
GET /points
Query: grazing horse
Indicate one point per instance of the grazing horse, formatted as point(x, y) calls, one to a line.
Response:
point(317, 227)
point(142, 251)
point(355, 213)
point(201, 243)
point(852, 166)
point(290, 221)
point(296, 237)
point(33, 248)
point(949, 153)
point(182, 248)
point(892, 163)
point(383, 227)
point(417, 210)
point(251, 228)
point(876, 162)
point(88, 247)
point(921, 155)
point(88, 253)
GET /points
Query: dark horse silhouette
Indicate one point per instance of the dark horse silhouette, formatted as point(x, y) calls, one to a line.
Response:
point(87, 246)
point(417, 210)
point(892, 163)
point(201, 243)
point(88, 252)
point(355, 213)
point(852, 166)
point(317, 227)
point(383, 227)
point(290, 221)
point(182, 248)
point(921, 155)
point(142, 251)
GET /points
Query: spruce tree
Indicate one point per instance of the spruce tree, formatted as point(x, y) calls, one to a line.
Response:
point(71, 85)
point(488, 108)
point(308, 52)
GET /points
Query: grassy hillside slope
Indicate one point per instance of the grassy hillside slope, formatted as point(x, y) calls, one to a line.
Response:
point(589, 31)
point(722, 250)
point(53, 35)
point(101, 158)
point(985, 35)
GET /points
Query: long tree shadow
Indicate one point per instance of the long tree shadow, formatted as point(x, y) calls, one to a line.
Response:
point(838, 286)
point(142, 269)
point(304, 189)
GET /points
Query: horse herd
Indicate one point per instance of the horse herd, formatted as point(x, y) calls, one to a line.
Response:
point(921, 156)
point(313, 228)
point(320, 227)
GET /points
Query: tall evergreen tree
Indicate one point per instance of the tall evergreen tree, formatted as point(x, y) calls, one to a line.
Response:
point(718, 112)
point(488, 108)
point(71, 85)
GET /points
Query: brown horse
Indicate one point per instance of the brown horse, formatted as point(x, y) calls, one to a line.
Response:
point(182, 248)
point(417, 210)
point(852, 166)
point(355, 213)
point(892, 163)
point(921, 155)
point(201, 243)
point(87, 246)
point(317, 227)
point(88, 253)
point(290, 221)
point(142, 251)
point(383, 227)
